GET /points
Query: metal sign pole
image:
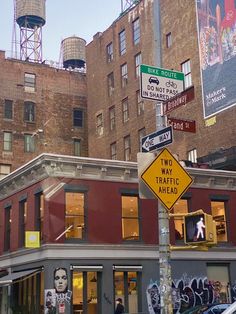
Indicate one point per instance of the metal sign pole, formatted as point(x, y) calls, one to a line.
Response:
point(164, 240)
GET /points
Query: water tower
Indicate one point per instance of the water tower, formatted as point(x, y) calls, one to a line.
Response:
point(73, 52)
point(30, 16)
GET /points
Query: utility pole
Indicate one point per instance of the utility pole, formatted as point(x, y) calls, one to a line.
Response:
point(164, 240)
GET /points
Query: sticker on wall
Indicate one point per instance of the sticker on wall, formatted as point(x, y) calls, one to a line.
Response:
point(50, 301)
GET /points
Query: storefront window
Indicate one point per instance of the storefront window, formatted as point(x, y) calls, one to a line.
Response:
point(218, 277)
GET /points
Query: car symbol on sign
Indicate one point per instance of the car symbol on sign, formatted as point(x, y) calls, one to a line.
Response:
point(153, 80)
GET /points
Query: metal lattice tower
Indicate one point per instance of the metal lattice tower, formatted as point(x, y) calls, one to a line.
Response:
point(126, 4)
point(30, 16)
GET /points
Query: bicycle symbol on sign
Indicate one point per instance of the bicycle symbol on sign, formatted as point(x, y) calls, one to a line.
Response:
point(171, 84)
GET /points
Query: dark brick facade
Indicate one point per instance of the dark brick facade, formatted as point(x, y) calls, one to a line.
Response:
point(57, 93)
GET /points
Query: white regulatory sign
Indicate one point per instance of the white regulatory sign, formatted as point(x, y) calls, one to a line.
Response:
point(160, 84)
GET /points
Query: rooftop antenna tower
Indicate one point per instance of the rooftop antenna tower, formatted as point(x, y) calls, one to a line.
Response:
point(126, 4)
point(30, 16)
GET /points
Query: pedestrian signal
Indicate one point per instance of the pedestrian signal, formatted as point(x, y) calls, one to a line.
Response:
point(199, 227)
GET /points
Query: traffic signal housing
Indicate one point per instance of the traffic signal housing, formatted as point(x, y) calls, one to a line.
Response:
point(199, 228)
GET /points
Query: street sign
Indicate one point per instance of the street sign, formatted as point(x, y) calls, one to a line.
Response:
point(157, 139)
point(182, 125)
point(179, 100)
point(166, 178)
point(160, 84)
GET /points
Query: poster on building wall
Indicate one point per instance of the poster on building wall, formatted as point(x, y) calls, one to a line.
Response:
point(217, 49)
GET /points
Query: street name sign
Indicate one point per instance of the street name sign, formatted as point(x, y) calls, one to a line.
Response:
point(166, 178)
point(182, 125)
point(160, 84)
point(179, 100)
point(157, 139)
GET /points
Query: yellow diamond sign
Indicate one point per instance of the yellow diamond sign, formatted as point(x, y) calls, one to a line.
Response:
point(166, 178)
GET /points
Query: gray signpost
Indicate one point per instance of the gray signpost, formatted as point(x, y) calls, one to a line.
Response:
point(160, 85)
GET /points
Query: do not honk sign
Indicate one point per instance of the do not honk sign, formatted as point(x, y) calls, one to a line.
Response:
point(166, 178)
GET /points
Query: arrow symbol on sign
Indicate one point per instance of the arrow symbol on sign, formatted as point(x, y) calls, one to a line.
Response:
point(155, 140)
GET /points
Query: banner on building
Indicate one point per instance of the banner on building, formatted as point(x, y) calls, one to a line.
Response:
point(217, 48)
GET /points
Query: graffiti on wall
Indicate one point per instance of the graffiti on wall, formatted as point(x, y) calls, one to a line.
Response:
point(187, 293)
point(56, 299)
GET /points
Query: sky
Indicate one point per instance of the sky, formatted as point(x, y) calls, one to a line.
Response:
point(64, 18)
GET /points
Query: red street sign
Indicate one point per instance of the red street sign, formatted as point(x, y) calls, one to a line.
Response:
point(179, 100)
point(182, 125)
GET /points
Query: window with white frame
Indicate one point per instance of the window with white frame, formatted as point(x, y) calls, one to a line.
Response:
point(168, 40)
point(99, 124)
point(124, 74)
point(192, 155)
point(127, 148)
point(29, 143)
point(110, 52)
point(186, 69)
point(141, 134)
point(4, 170)
point(122, 42)
point(136, 31)
point(77, 147)
point(140, 103)
point(112, 118)
point(7, 141)
point(138, 62)
point(113, 151)
point(29, 111)
point(30, 82)
point(125, 109)
point(110, 83)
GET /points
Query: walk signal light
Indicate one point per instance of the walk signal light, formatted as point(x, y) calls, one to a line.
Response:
point(199, 228)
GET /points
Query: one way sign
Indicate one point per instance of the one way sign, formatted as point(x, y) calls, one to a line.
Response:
point(157, 139)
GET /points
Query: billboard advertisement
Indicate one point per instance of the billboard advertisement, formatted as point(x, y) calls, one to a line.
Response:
point(217, 49)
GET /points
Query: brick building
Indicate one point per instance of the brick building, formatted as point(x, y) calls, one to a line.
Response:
point(43, 109)
point(96, 232)
point(164, 34)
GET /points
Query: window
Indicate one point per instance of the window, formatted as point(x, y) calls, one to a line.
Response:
point(138, 62)
point(29, 143)
point(218, 214)
point(181, 206)
point(74, 215)
point(127, 287)
point(186, 69)
point(218, 275)
point(4, 170)
point(130, 218)
point(192, 155)
point(125, 110)
point(29, 111)
point(112, 118)
point(30, 82)
point(168, 40)
point(124, 75)
point(39, 213)
point(78, 118)
point(110, 52)
point(122, 42)
point(8, 109)
point(140, 103)
point(99, 124)
point(22, 222)
point(77, 147)
point(127, 148)
point(110, 84)
point(7, 141)
point(141, 134)
point(136, 31)
point(113, 151)
point(7, 234)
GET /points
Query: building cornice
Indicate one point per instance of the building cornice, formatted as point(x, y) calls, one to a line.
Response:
point(52, 165)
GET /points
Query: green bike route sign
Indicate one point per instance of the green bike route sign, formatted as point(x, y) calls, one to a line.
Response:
point(160, 84)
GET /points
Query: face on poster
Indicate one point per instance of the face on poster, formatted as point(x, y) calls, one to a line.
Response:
point(217, 48)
